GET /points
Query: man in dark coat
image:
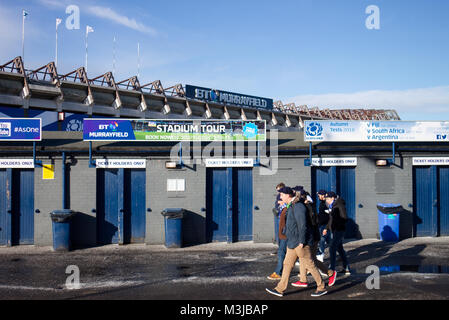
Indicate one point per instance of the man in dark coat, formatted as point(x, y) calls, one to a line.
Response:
point(337, 227)
point(323, 219)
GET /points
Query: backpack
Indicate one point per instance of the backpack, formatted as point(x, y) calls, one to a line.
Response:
point(312, 220)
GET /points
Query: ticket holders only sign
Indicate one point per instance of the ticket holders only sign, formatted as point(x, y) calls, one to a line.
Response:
point(17, 163)
point(21, 129)
point(376, 131)
point(173, 130)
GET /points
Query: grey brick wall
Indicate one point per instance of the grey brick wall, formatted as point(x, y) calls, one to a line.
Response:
point(368, 197)
point(193, 199)
point(47, 197)
point(83, 200)
point(292, 172)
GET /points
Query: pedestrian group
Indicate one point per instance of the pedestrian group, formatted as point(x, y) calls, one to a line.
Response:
point(303, 234)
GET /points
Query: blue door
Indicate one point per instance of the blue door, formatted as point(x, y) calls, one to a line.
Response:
point(22, 215)
point(444, 201)
point(107, 206)
point(243, 204)
point(346, 190)
point(323, 178)
point(5, 206)
point(217, 206)
point(229, 194)
point(134, 200)
point(120, 206)
point(16, 206)
point(425, 201)
point(340, 180)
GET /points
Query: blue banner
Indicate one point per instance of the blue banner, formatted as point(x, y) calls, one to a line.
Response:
point(20, 129)
point(376, 131)
point(173, 130)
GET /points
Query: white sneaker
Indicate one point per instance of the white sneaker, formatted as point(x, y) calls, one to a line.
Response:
point(297, 263)
point(320, 257)
point(323, 274)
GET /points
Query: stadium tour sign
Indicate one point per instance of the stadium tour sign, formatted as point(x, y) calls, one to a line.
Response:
point(173, 130)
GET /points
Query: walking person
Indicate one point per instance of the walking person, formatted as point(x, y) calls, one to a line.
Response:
point(282, 239)
point(299, 243)
point(277, 212)
point(323, 219)
point(312, 220)
point(337, 227)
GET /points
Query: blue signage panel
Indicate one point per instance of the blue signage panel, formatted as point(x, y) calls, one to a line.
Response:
point(108, 130)
point(376, 131)
point(225, 97)
point(173, 130)
point(20, 129)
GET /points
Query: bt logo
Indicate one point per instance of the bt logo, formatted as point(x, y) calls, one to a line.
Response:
point(112, 126)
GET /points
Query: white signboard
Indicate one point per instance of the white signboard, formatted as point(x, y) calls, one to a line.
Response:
point(176, 185)
point(229, 162)
point(431, 161)
point(121, 163)
point(328, 162)
point(16, 163)
point(376, 131)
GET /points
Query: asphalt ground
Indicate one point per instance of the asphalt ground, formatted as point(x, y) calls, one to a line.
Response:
point(227, 274)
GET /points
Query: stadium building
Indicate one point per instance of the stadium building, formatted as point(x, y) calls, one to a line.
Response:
point(223, 200)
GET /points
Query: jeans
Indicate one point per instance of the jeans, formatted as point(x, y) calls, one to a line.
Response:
point(276, 228)
point(336, 245)
point(323, 240)
point(281, 255)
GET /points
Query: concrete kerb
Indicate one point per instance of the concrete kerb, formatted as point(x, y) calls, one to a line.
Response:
point(222, 246)
point(216, 246)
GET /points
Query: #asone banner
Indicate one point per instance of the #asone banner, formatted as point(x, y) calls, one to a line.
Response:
point(376, 131)
point(21, 129)
point(173, 130)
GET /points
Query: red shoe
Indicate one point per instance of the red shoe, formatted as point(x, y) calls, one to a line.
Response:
point(332, 279)
point(300, 284)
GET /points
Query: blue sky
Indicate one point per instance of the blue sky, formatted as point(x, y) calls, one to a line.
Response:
point(308, 52)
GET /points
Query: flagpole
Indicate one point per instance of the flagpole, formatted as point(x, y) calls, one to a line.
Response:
point(56, 49)
point(138, 59)
point(87, 33)
point(23, 35)
point(113, 57)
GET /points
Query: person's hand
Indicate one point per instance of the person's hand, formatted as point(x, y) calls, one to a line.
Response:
point(301, 245)
point(324, 232)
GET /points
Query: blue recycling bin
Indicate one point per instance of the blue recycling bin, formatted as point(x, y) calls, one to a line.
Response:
point(173, 227)
point(388, 217)
point(61, 229)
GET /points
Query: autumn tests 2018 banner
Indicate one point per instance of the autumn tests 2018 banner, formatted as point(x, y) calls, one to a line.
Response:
point(173, 130)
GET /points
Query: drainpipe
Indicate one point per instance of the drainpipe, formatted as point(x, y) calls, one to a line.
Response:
point(36, 162)
point(64, 200)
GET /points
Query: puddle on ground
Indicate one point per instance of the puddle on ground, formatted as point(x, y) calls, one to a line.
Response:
point(430, 268)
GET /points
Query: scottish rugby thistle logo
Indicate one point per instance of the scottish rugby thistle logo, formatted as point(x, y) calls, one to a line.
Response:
point(314, 129)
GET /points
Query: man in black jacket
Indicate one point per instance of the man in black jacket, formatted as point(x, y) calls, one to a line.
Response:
point(337, 227)
point(323, 219)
